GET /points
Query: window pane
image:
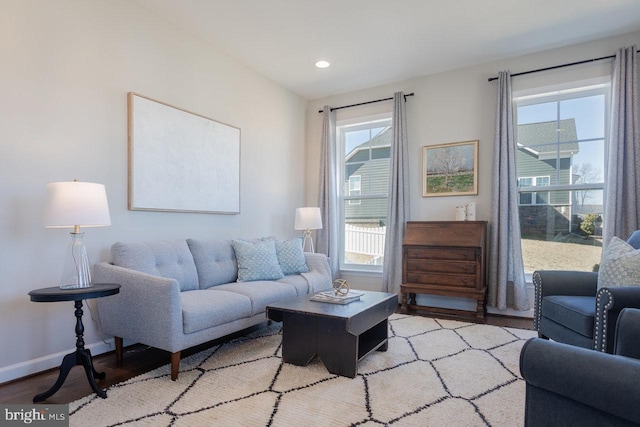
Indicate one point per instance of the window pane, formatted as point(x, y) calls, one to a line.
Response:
point(525, 198)
point(364, 231)
point(544, 112)
point(561, 142)
point(365, 184)
point(588, 162)
point(354, 138)
point(561, 237)
point(587, 114)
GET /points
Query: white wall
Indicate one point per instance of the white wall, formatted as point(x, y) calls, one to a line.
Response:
point(451, 107)
point(66, 69)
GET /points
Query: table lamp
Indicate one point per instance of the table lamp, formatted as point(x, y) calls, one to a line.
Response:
point(308, 219)
point(74, 205)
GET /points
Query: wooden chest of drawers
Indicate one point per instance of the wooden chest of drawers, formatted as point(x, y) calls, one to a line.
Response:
point(445, 258)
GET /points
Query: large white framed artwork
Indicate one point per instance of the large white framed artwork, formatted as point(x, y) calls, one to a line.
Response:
point(181, 161)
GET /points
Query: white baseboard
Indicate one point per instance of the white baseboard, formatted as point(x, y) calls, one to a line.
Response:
point(43, 363)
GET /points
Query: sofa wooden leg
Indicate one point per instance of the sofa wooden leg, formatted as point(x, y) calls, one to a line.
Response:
point(175, 365)
point(119, 350)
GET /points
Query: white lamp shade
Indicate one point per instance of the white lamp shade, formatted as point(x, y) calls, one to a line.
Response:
point(308, 219)
point(70, 204)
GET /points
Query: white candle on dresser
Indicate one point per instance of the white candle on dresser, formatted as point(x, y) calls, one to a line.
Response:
point(470, 211)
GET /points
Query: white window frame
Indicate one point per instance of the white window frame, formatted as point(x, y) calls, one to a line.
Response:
point(359, 123)
point(567, 91)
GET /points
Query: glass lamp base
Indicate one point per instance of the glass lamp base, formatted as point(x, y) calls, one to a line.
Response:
point(77, 268)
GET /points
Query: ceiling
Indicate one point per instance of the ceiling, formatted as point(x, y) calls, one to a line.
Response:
point(374, 42)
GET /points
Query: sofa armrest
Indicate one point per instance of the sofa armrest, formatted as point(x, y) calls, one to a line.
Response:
point(602, 381)
point(627, 333)
point(147, 310)
point(319, 277)
point(561, 282)
point(609, 304)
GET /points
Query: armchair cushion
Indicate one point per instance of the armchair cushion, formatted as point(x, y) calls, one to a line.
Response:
point(573, 312)
point(620, 265)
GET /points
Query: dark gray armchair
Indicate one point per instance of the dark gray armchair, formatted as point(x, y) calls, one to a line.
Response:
point(569, 307)
point(573, 386)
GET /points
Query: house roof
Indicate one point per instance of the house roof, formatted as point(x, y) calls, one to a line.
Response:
point(531, 135)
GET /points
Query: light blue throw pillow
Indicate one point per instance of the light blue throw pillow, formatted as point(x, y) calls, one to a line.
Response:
point(257, 260)
point(291, 257)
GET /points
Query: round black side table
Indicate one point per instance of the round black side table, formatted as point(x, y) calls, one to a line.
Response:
point(81, 356)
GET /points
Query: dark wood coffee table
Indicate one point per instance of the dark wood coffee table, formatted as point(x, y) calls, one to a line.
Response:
point(340, 335)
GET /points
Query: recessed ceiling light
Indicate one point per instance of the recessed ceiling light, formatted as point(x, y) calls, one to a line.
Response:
point(322, 64)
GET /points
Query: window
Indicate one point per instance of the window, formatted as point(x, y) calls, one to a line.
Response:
point(355, 182)
point(533, 197)
point(365, 148)
point(560, 175)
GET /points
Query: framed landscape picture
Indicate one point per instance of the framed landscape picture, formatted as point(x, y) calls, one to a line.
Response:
point(450, 169)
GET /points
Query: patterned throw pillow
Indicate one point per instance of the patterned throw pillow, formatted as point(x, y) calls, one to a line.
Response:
point(291, 257)
point(257, 260)
point(620, 265)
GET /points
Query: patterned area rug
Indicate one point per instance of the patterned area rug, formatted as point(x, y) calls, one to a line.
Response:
point(435, 373)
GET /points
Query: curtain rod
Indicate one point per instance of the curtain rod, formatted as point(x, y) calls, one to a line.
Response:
point(559, 66)
point(365, 103)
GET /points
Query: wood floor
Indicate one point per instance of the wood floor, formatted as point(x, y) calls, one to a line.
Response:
point(138, 359)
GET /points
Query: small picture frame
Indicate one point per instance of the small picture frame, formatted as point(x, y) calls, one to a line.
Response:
point(450, 169)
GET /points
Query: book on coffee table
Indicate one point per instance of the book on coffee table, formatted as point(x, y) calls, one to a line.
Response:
point(331, 297)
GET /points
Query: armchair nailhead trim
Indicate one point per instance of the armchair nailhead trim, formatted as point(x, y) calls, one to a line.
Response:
point(537, 283)
point(600, 333)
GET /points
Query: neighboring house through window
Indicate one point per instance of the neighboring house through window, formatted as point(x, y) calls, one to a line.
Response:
point(560, 172)
point(364, 147)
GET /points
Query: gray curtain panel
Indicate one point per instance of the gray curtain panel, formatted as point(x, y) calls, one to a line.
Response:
point(507, 284)
point(398, 208)
point(327, 237)
point(622, 203)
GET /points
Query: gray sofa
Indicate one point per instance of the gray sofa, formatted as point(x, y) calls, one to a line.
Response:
point(181, 293)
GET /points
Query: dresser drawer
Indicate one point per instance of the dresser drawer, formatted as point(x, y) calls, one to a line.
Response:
point(449, 254)
point(458, 280)
point(440, 266)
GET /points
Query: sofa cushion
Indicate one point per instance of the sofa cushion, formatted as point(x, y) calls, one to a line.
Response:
point(291, 257)
point(215, 261)
point(257, 260)
point(575, 312)
point(261, 293)
point(206, 308)
point(171, 259)
point(298, 282)
point(620, 265)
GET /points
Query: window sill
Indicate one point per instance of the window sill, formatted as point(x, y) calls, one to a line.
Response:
point(356, 272)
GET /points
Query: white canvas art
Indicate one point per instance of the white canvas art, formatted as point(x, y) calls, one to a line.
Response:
point(181, 161)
